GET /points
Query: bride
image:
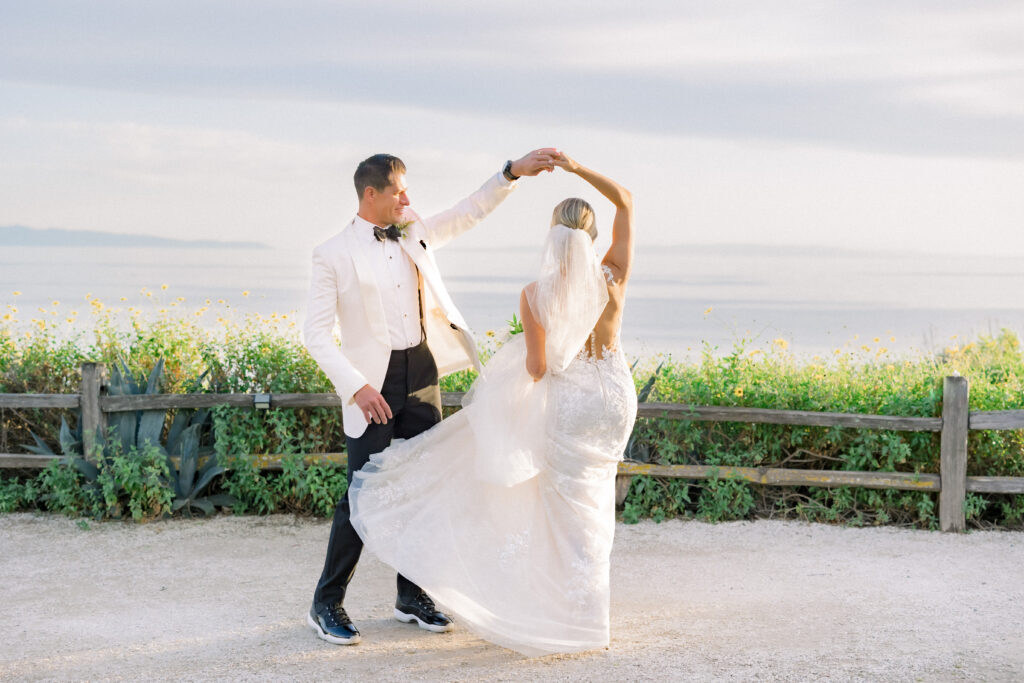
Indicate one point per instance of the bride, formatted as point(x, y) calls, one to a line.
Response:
point(505, 512)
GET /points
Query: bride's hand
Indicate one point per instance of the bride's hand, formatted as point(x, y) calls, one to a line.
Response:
point(534, 162)
point(564, 162)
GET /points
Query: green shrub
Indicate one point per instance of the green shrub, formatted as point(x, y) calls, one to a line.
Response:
point(264, 354)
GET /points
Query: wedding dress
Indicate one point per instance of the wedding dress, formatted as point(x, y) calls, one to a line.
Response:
point(505, 512)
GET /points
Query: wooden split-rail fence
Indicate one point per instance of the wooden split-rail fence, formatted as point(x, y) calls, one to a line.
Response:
point(951, 482)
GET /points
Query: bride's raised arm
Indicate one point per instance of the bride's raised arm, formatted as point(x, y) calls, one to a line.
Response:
point(620, 254)
point(536, 360)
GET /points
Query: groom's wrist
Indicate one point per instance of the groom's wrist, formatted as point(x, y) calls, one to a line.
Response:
point(509, 174)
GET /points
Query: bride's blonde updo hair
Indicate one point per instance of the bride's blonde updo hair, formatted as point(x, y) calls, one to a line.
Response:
point(577, 214)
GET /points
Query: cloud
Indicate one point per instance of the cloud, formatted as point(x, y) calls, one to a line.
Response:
point(906, 78)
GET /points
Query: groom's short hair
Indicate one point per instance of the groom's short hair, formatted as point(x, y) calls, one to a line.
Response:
point(377, 172)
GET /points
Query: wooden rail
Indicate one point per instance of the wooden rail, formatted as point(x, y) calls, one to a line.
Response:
point(951, 483)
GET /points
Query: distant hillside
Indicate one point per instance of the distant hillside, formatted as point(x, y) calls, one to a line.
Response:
point(22, 236)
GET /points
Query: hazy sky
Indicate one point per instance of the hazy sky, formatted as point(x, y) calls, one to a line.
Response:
point(881, 125)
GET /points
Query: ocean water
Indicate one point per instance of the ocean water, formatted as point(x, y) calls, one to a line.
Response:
point(816, 299)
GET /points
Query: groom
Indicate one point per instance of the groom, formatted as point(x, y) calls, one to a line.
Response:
point(400, 331)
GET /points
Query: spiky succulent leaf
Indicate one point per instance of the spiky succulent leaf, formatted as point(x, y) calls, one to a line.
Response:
point(205, 505)
point(204, 480)
point(189, 458)
point(130, 385)
point(88, 469)
point(648, 386)
point(125, 427)
point(154, 377)
point(41, 448)
point(69, 443)
point(151, 426)
point(181, 420)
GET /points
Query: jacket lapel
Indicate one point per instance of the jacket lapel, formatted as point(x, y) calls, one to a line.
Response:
point(372, 303)
point(415, 246)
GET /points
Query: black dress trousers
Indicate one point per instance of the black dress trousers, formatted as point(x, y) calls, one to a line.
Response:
point(411, 390)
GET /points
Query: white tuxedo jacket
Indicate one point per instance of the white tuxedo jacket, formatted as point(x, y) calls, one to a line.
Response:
point(344, 289)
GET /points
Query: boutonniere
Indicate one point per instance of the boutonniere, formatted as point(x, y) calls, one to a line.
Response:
point(401, 228)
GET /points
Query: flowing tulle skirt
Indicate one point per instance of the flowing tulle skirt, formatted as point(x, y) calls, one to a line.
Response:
point(505, 513)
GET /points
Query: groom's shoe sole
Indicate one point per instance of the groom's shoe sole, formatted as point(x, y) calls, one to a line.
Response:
point(328, 637)
point(409, 618)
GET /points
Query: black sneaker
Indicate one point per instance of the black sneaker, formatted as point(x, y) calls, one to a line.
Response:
point(421, 610)
point(333, 625)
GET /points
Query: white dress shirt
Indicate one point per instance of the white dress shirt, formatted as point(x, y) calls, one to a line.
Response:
point(399, 288)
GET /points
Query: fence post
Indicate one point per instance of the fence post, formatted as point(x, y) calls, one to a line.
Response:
point(953, 456)
point(93, 419)
point(622, 482)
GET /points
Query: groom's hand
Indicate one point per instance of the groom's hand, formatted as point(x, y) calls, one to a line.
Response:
point(373, 405)
point(534, 162)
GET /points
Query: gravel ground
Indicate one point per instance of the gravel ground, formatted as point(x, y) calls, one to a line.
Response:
point(776, 601)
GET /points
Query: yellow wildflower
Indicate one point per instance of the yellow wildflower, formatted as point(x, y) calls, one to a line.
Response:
point(490, 333)
point(890, 367)
point(738, 391)
point(56, 303)
point(7, 316)
point(245, 293)
point(708, 310)
point(16, 293)
point(124, 298)
point(877, 340)
point(163, 286)
point(781, 343)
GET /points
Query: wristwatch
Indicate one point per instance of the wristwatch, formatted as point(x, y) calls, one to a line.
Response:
point(507, 172)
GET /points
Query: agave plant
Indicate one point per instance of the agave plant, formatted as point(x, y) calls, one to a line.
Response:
point(137, 430)
point(71, 449)
point(188, 479)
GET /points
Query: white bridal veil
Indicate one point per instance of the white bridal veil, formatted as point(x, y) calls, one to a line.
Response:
point(507, 409)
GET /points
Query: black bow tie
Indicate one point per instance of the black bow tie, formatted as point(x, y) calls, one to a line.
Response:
point(389, 233)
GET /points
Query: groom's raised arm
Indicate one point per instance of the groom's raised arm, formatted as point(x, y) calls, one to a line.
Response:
point(453, 222)
point(318, 331)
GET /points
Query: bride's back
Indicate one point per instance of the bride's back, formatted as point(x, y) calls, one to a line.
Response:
point(605, 336)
